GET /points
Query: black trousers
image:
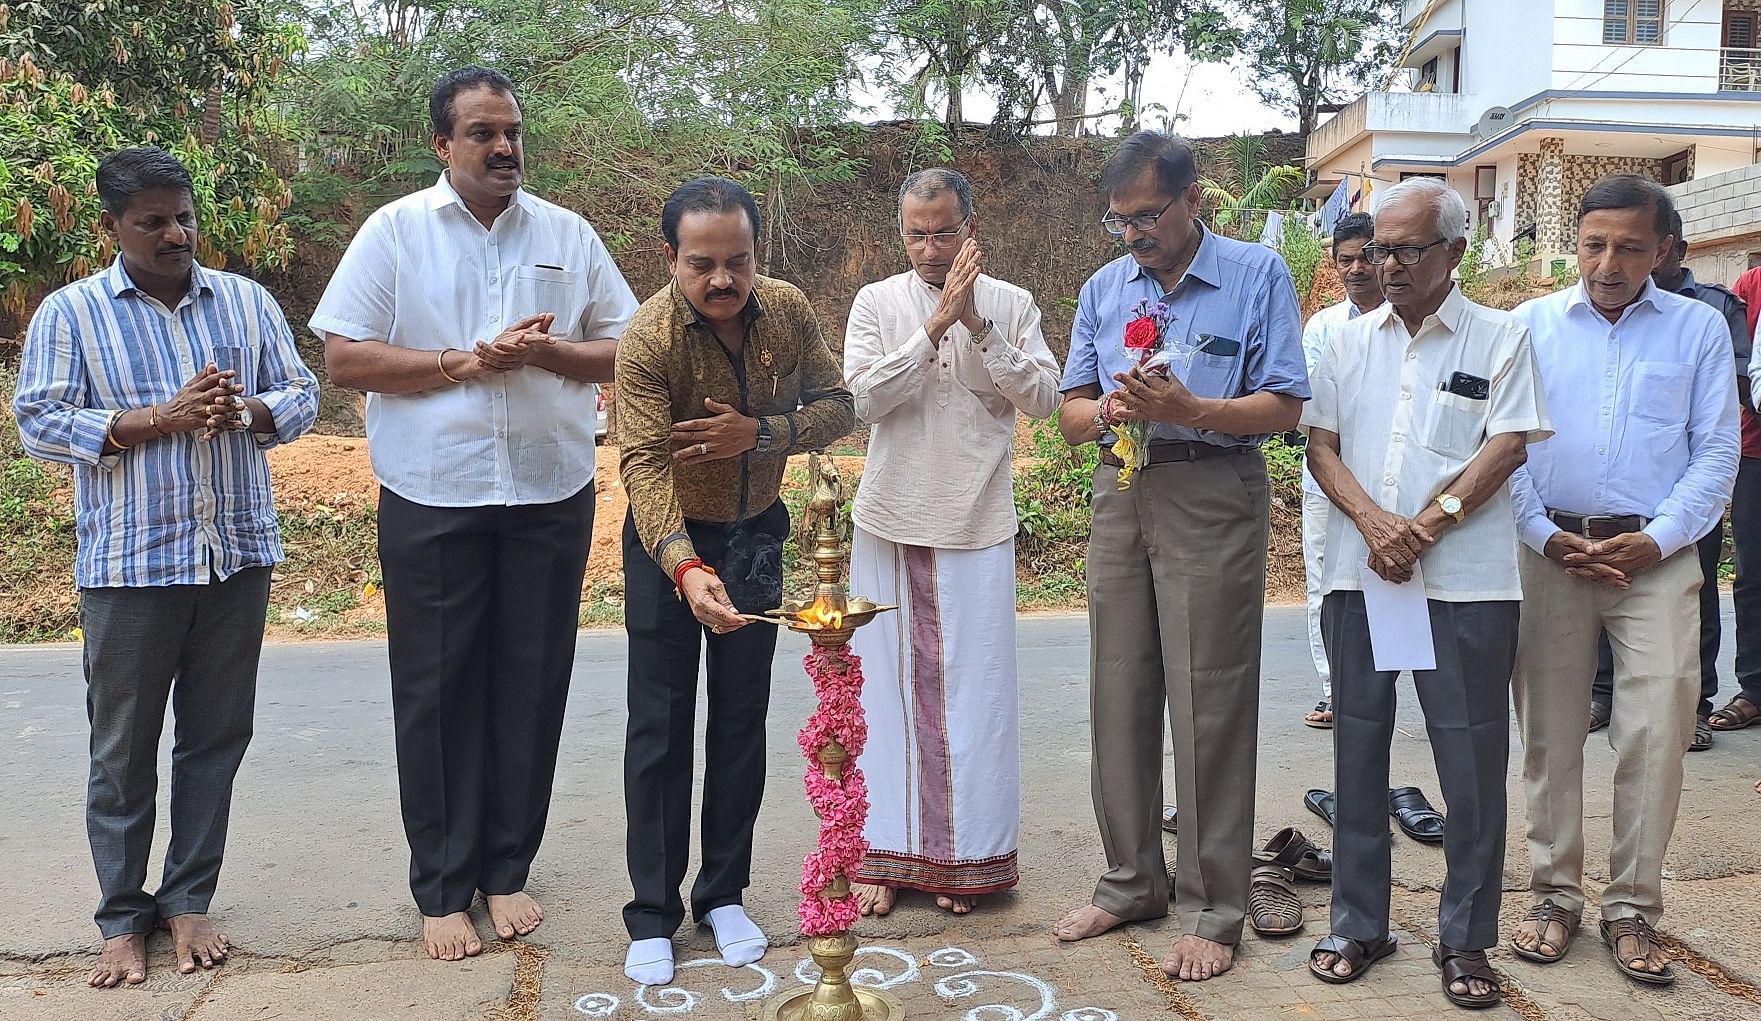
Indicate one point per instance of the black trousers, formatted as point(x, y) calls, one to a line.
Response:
point(1466, 702)
point(659, 748)
point(1745, 534)
point(481, 605)
point(197, 647)
point(1711, 551)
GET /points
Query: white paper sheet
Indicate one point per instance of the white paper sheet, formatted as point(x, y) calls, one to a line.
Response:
point(1400, 622)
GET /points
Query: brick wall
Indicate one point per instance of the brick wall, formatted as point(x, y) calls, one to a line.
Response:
point(1721, 215)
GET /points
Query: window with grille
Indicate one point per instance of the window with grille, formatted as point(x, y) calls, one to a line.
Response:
point(1638, 22)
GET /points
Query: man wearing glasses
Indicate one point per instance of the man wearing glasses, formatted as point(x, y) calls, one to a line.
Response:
point(940, 359)
point(1177, 562)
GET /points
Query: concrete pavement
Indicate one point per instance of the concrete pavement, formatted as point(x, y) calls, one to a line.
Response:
point(315, 897)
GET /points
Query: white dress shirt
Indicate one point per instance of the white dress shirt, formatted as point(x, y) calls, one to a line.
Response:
point(943, 418)
point(423, 273)
point(1315, 334)
point(1645, 411)
point(1405, 439)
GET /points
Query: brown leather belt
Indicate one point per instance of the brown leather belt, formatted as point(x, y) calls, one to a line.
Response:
point(1598, 526)
point(1165, 451)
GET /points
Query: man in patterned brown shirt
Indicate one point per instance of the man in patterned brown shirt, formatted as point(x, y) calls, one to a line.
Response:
point(720, 376)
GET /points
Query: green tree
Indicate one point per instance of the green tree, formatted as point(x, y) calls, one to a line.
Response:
point(80, 79)
point(937, 47)
point(1306, 53)
point(1246, 186)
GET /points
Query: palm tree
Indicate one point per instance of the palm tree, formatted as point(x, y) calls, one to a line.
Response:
point(1246, 186)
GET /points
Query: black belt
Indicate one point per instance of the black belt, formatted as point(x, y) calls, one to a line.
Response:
point(1165, 451)
point(1598, 526)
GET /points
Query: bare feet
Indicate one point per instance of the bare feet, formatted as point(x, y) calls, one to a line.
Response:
point(1195, 959)
point(1631, 950)
point(514, 914)
point(875, 900)
point(197, 942)
point(451, 937)
point(123, 959)
point(1086, 922)
point(959, 905)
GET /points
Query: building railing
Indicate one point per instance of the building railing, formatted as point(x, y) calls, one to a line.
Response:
point(1739, 70)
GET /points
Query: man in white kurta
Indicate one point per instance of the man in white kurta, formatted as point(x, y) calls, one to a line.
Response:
point(941, 359)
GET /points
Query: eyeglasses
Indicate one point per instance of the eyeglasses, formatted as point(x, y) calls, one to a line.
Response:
point(1116, 224)
point(1406, 255)
point(941, 239)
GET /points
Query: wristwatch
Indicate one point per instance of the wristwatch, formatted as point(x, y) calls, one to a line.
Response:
point(983, 334)
point(244, 414)
point(763, 444)
point(1452, 506)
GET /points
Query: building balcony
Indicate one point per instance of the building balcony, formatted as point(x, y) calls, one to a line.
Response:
point(1395, 113)
point(1739, 70)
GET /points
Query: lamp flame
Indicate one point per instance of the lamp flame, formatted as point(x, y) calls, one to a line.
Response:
point(821, 615)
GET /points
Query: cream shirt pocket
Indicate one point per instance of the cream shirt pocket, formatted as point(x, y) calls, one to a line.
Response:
point(1456, 425)
point(538, 289)
point(1662, 392)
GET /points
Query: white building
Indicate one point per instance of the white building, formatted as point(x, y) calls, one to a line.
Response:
point(1523, 104)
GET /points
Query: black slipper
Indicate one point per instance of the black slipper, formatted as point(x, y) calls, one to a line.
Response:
point(1415, 815)
point(1321, 803)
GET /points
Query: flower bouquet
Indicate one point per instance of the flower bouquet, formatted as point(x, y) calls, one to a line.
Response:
point(1149, 348)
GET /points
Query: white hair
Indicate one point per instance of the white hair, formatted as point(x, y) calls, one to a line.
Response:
point(1444, 201)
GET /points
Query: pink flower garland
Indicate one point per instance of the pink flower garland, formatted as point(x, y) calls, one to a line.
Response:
point(842, 807)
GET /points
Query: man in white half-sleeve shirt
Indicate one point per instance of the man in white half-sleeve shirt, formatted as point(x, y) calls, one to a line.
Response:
point(1643, 397)
point(479, 319)
point(941, 359)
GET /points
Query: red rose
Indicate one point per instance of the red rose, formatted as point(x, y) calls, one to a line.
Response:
point(1140, 334)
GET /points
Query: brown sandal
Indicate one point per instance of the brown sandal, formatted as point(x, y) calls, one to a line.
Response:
point(1355, 952)
point(1737, 714)
point(1290, 849)
point(1544, 914)
point(1641, 931)
point(1463, 965)
point(1272, 906)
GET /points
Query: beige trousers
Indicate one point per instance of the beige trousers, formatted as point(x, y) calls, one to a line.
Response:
point(1176, 588)
point(1653, 628)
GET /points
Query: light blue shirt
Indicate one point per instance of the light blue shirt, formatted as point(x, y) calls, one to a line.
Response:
point(171, 510)
point(1644, 416)
point(1236, 303)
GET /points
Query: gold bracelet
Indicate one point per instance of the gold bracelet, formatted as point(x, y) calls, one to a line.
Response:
point(153, 420)
point(440, 363)
point(110, 431)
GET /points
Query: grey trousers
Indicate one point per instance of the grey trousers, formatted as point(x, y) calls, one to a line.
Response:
point(195, 646)
point(1176, 589)
point(1466, 701)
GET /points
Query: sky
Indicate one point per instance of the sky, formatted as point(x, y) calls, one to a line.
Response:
point(1211, 96)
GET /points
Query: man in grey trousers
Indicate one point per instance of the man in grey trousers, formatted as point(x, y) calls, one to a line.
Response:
point(162, 383)
point(1422, 409)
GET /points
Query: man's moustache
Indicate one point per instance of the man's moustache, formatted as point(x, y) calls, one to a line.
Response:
point(504, 164)
point(1141, 246)
point(713, 295)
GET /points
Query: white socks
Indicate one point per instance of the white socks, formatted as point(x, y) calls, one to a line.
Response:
point(740, 941)
point(650, 962)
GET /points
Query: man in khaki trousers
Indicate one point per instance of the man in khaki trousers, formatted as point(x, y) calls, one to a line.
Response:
point(1642, 393)
point(1177, 558)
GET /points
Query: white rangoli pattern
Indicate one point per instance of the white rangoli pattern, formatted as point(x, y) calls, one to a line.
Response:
point(887, 968)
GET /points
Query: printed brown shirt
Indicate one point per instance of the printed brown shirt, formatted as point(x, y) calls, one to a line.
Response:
point(669, 361)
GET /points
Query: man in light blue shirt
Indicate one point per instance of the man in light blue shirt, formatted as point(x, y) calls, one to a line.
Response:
point(162, 383)
point(1177, 561)
point(1642, 391)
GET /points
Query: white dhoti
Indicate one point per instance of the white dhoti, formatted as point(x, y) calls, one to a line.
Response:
point(943, 758)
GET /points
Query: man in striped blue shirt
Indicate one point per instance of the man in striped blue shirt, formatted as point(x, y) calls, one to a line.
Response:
point(162, 383)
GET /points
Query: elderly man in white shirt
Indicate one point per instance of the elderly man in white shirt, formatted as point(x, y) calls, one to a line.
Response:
point(1421, 411)
point(479, 318)
point(1363, 292)
point(941, 359)
point(1643, 395)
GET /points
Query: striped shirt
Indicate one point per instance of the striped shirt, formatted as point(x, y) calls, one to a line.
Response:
point(170, 511)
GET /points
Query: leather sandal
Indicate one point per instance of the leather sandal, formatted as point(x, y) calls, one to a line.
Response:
point(1600, 714)
point(1325, 705)
point(1321, 803)
point(1462, 965)
point(1272, 906)
point(1415, 815)
point(1543, 915)
point(1640, 930)
point(1738, 714)
point(1170, 819)
point(1291, 850)
point(1355, 952)
point(1702, 735)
